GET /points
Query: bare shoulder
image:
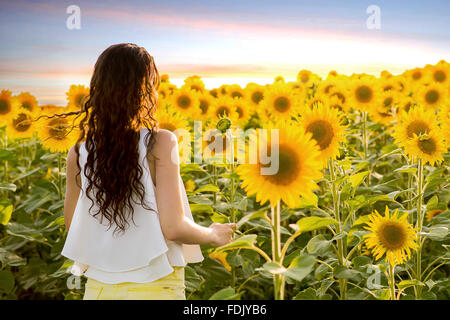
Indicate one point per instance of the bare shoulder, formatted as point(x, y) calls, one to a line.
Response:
point(165, 142)
point(72, 155)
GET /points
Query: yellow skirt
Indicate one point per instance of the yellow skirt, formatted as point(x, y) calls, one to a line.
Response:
point(170, 287)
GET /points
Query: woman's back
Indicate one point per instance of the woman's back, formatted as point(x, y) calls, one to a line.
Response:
point(93, 244)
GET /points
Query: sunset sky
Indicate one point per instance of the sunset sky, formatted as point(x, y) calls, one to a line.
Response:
point(222, 41)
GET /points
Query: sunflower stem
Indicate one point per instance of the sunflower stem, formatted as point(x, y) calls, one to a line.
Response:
point(278, 279)
point(339, 227)
point(419, 224)
point(364, 133)
point(392, 280)
point(60, 192)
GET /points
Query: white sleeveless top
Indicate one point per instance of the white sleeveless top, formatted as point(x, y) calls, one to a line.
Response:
point(140, 254)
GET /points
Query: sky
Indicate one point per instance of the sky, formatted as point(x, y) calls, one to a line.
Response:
point(221, 41)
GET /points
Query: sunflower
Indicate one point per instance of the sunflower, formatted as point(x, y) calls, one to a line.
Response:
point(254, 93)
point(326, 86)
point(164, 91)
point(390, 235)
point(170, 121)
point(363, 93)
point(317, 99)
point(8, 104)
point(298, 89)
point(429, 147)
point(433, 213)
point(164, 78)
point(335, 102)
point(386, 107)
point(27, 101)
point(405, 104)
point(325, 125)
point(417, 121)
point(298, 167)
point(306, 77)
point(385, 74)
point(431, 96)
point(185, 101)
point(58, 134)
point(205, 102)
point(280, 103)
point(77, 96)
point(224, 106)
point(439, 73)
point(235, 91)
point(213, 151)
point(415, 77)
point(243, 109)
point(279, 79)
point(21, 124)
point(194, 83)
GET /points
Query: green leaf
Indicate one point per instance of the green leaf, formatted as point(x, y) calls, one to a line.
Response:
point(313, 223)
point(6, 281)
point(318, 245)
point(307, 294)
point(226, 294)
point(407, 169)
point(341, 272)
point(408, 283)
point(309, 201)
point(273, 268)
point(208, 188)
point(300, 267)
point(250, 216)
point(6, 209)
point(246, 241)
point(437, 232)
point(358, 178)
point(200, 208)
point(219, 218)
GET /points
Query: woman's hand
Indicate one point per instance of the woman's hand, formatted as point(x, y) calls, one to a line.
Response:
point(222, 234)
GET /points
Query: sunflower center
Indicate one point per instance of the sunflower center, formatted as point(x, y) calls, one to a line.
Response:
point(304, 78)
point(257, 96)
point(58, 129)
point(27, 105)
point(339, 95)
point(184, 102)
point(364, 94)
point(236, 94)
point(5, 106)
point(417, 75)
point(328, 88)
point(204, 106)
point(239, 111)
point(281, 104)
point(22, 123)
point(392, 235)
point(432, 96)
point(196, 87)
point(388, 87)
point(322, 132)
point(168, 126)
point(417, 127)
point(440, 76)
point(388, 102)
point(288, 169)
point(427, 146)
point(222, 111)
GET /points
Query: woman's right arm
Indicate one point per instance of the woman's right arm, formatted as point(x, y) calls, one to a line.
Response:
point(174, 224)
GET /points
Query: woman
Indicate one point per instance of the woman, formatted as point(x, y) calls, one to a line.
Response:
point(130, 230)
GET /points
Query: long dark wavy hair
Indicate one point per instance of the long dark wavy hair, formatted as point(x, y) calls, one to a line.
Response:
point(122, 99)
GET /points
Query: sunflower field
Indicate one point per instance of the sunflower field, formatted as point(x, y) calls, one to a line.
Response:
point(358, 208)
